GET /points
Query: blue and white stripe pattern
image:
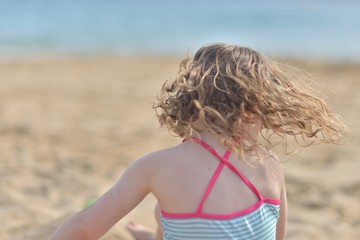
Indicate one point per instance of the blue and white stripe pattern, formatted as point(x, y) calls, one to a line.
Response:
point(259, 224)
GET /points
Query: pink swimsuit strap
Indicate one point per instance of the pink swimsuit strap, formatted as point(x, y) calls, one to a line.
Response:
point(223, 161)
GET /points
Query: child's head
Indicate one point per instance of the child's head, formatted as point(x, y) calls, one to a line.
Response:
point(223, 85)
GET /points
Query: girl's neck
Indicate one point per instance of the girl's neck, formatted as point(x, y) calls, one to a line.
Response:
point(214, 141)
point(208, 137)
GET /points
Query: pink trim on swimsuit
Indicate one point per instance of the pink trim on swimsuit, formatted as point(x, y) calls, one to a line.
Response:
point(223, 161)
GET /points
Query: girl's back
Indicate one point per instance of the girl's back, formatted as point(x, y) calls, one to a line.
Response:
point(185, 171)
point(205, 191)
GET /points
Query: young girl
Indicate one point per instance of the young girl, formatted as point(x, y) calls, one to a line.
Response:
point(222, 181)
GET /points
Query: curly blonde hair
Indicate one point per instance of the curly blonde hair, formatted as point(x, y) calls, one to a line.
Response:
point(222, 83)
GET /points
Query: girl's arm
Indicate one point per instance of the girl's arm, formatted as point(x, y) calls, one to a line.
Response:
point(95, 221)
point(282, 222)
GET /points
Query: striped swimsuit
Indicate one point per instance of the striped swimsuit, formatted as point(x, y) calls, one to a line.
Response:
point(257, 222)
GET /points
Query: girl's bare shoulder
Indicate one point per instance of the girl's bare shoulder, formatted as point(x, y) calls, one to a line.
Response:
point(162, 156)
point(275, 165)
point(273, 160)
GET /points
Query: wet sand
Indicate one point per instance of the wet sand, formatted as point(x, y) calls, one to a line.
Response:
point(69, 127)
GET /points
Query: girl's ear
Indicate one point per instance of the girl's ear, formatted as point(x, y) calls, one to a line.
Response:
point(249, 115)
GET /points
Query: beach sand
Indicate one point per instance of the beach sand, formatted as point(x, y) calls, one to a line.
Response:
point(69, 127)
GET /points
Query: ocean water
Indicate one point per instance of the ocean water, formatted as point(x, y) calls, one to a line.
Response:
point(306, 29)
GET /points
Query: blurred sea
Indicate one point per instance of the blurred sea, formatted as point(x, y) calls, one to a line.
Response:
point(319, 29)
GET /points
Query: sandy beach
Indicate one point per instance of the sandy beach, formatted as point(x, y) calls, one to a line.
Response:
point(70, 126)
